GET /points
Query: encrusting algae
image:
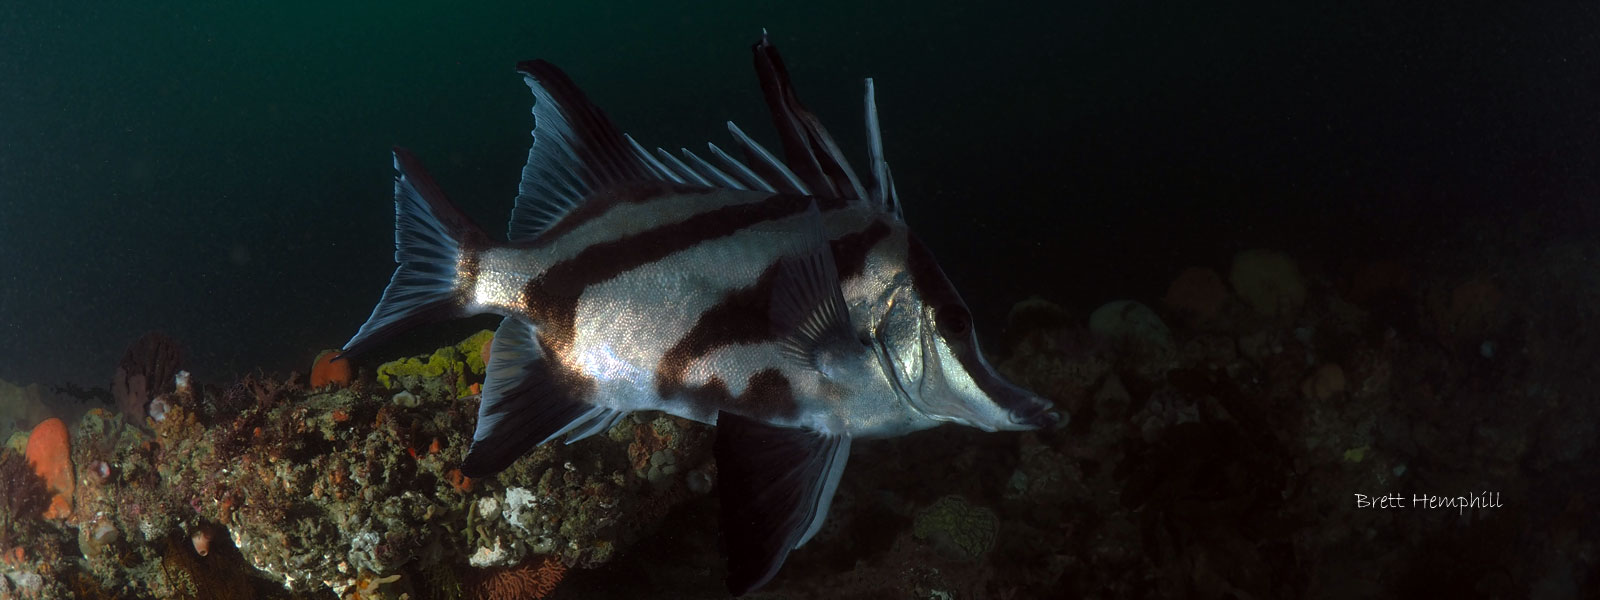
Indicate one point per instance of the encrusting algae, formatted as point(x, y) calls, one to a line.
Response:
point(451, 365)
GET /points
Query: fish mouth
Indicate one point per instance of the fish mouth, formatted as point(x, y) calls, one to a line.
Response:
point(1038, 413)
point(1025, 409)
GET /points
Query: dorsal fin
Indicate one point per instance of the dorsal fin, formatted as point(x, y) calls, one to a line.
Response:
point(812, 165)
point(807, 146)
point(576, 150)
point(881, 186)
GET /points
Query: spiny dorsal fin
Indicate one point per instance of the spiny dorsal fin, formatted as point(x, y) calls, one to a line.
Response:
point(813, 165)
point(577, 150)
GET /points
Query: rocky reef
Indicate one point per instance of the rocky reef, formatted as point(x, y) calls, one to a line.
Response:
point(1295, 429)
point(267, 488)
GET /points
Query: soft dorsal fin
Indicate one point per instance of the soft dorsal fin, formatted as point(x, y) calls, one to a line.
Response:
point(576, 150)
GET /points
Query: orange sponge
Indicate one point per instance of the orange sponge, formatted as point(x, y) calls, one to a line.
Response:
point(327, 371)
point(50, 452)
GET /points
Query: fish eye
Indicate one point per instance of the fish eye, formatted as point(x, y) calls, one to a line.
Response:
point(954, 321)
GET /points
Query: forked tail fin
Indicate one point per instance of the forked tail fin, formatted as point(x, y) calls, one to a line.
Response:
point(437, 248)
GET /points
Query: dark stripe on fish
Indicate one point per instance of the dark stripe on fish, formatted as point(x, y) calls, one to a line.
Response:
point(850, 250)
point(954, 321)
point(742, 316)
point(739, 318)
point(553, 296)
point(931, 282)
point(767, 395)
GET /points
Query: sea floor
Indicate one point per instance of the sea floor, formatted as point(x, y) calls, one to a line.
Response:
point(1277, 427)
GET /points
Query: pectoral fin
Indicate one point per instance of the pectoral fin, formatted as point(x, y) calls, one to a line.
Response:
point(808, 311)
point(775, 484)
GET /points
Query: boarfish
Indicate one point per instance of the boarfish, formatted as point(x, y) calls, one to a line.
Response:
point(783, 301)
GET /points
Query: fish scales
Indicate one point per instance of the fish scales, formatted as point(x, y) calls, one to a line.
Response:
point(610, 307)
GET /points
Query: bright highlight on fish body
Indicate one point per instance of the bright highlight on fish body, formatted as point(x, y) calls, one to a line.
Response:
point(783, 300)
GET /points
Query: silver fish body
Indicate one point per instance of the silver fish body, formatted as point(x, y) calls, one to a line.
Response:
point(642, 336)
point(784, 301)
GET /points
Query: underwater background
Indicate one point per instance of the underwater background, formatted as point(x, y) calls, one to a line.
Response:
point(1408, 193)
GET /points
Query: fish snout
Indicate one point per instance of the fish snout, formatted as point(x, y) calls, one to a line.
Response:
point(1038, 413)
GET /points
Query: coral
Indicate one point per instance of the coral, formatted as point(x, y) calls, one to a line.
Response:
point(534, 578)
point(1198, 293)
point(957, 528)
point(145, 371)
point(250, 392)
point(372, 586)
point(1269, 282)
point(50, 452)
point(326, 371)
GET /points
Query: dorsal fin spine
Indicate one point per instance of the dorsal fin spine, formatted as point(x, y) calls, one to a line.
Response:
point(710, 171)
point(759, 155)
point(682, 169)
point(739, 171)
point(654, 163)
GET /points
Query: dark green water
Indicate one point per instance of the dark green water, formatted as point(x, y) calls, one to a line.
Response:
point(222, 173)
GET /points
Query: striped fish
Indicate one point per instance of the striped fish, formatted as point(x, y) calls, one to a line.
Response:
point(784, 301)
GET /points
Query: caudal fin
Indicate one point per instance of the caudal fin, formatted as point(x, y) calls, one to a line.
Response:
point(435, 245)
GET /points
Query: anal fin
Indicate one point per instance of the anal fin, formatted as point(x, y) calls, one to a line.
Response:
point(526, 401)
point(775, 484)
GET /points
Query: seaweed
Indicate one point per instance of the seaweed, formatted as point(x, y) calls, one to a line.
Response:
point(25, 499)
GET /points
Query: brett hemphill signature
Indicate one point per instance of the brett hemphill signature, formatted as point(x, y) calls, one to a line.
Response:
point(1460, 503)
